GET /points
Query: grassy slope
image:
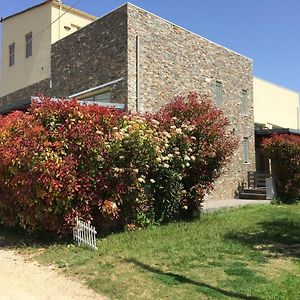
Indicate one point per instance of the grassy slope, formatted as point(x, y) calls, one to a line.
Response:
point(246, 253)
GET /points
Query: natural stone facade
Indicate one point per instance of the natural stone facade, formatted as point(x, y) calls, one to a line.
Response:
point(21, 98)
point(92, 56)
point(172, 61)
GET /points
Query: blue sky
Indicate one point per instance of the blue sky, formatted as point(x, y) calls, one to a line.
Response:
point(268, 31)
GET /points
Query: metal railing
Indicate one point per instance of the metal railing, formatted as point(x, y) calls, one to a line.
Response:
point(257, 180)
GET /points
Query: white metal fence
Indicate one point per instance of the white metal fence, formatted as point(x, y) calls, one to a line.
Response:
point(85, 234)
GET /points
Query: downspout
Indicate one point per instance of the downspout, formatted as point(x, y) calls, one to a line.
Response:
point(138, 91)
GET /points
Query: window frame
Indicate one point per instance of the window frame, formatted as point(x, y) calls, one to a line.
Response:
point(244, 95)
point(28, 44)
point(12, 54)
point(92, 97)
point(246, 150)
point(219, 94)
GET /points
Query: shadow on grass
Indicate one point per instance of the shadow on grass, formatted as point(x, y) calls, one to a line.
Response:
point(17, 238)
point(177, 278)
point(276, 238)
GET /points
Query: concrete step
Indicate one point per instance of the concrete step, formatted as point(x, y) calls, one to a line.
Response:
point(254, 196)
point(255, 191)
point(214, 205)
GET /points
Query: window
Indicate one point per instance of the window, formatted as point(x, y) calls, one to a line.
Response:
point(244, 102)
point(12, 54)
point(101, 97)
point(75, 27)
point(246, 149)
point(218, 94)
point(28, 42)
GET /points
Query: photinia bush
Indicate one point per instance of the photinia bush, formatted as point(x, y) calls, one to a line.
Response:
point(199, 144)
point(61, 159)
point(284, 151)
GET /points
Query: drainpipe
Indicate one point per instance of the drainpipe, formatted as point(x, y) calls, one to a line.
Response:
point(138, 91)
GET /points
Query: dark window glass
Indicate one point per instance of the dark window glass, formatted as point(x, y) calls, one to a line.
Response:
point(244, 102)
point(102, 97)
point(12, 54)
point(28, 41)
point(218, 94)
point(246, 150)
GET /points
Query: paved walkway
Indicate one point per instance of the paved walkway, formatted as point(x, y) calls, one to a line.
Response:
point(213, 205)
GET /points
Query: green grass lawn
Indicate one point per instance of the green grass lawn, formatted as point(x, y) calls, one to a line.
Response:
point(246, 253)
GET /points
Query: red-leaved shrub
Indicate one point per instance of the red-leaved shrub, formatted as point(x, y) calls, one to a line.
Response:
point(284, 151)
point(61, 159)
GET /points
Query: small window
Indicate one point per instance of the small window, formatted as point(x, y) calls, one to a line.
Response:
point(75, 27)
point(28, 41)
point(244, 102)
point(12, 54)
point(218, 94)
point(101, 97)
point(246, 149)
point(105, 97)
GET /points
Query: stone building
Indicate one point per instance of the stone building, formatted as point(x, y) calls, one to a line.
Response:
point(134, 59)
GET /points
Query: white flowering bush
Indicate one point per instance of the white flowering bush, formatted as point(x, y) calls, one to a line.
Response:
point(164, 164)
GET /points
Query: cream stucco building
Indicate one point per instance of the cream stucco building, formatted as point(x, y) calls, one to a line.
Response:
point(274, 105)
point(27, 37)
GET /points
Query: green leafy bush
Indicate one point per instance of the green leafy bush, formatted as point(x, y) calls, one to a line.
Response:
point(284, 151)
point(62, 159)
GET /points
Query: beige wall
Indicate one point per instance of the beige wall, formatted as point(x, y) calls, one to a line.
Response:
point(275, 105)
point(73, 19)
point(25, 71)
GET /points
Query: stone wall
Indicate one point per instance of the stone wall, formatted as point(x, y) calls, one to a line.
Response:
point(22, 98)
point(94, 55)
point(174, 61)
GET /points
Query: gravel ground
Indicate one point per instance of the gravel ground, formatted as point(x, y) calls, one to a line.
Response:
point(26, 280)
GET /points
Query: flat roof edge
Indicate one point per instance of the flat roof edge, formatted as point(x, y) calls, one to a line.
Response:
point(276, 84)
point(196, 34)
point(78, 11)
point(22, 11)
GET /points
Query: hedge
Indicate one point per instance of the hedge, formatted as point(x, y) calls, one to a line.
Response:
point(284, 151)
point(62, 159)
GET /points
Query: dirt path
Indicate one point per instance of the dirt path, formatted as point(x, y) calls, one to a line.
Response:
point(26, 280)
